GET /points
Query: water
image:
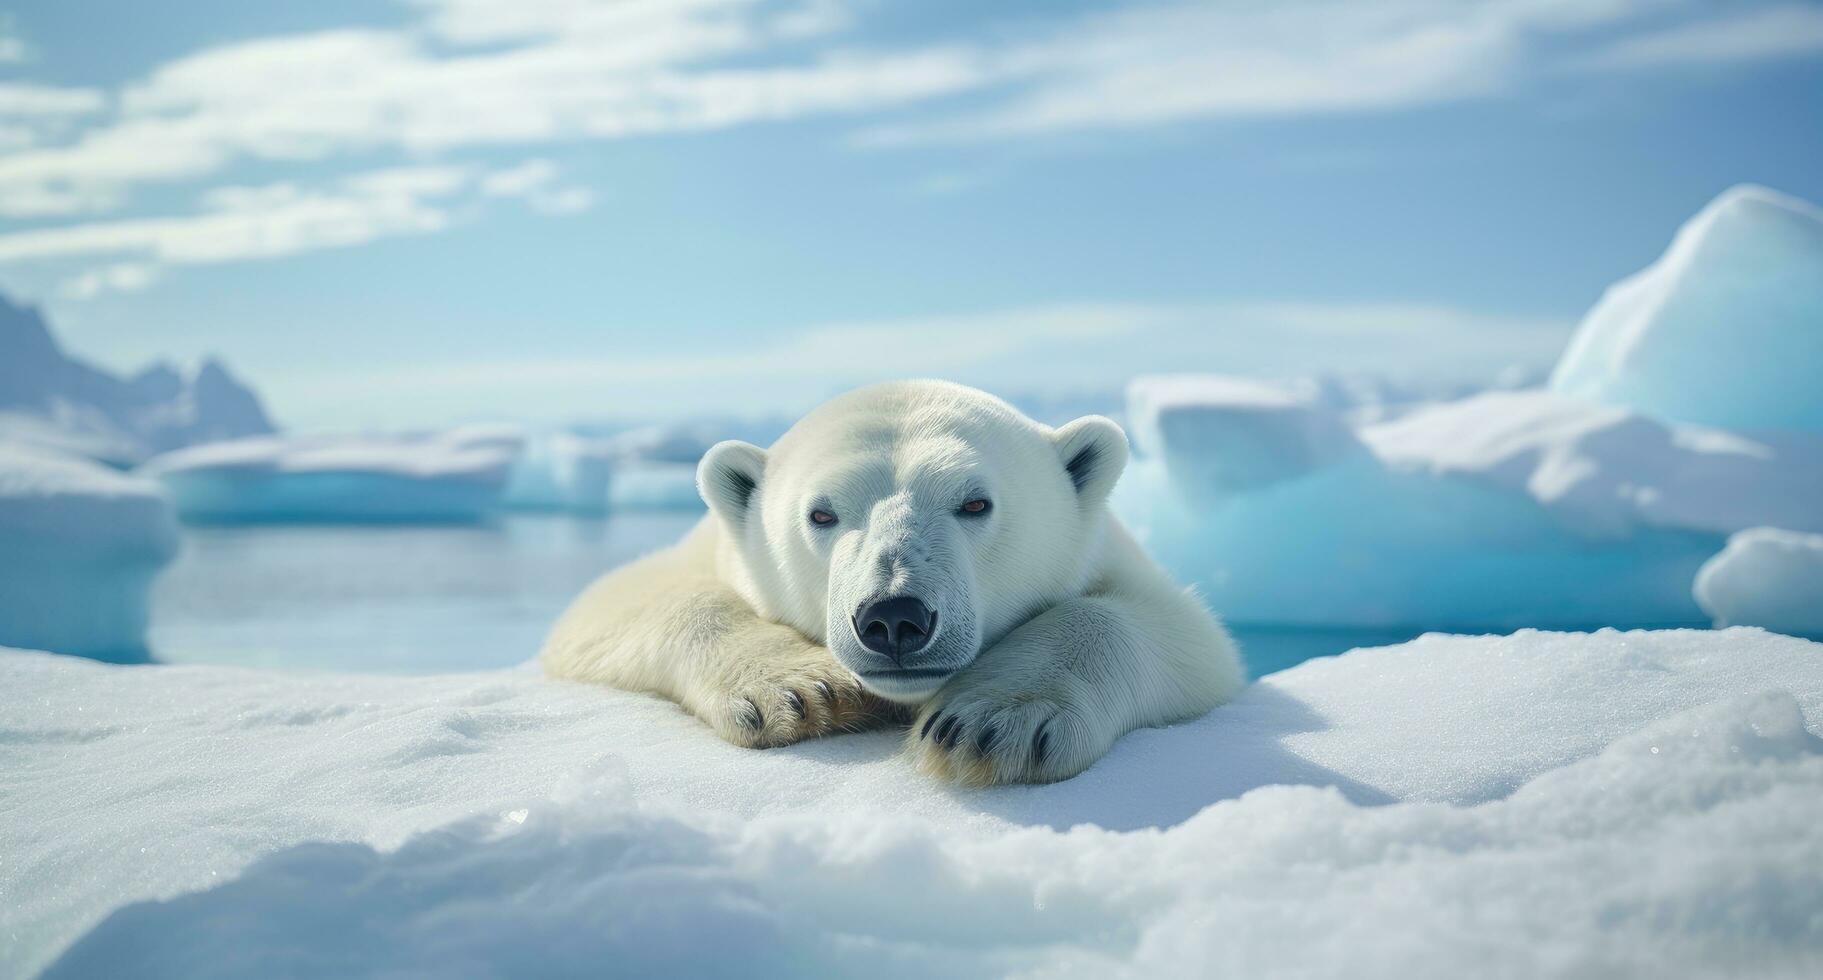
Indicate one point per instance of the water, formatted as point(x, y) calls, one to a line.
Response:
point(425, 599)
point(387, 599)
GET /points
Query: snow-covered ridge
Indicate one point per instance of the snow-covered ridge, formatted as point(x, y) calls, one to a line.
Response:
point(1533, 804)
point(52, 400)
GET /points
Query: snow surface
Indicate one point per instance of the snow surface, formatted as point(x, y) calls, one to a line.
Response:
point(1766, 577)
point(1725, 329)
point(81, 544)
point(1541, 804)
point(453, 476)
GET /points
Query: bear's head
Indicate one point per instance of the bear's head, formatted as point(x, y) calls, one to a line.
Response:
point(910, 525)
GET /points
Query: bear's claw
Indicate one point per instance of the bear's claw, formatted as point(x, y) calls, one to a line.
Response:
point(982, 741)
point(776, 710)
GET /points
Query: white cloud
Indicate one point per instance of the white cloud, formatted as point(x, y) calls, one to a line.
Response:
point(546, 71)
point(31, 115)
point(1754, 35)
point(535, 182)
point(24, 99)
point(12, 46)
point(489, 73)
point(124, 277)
point(1163, 63)
point(275, 220)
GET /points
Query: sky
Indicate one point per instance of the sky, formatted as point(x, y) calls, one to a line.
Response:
point(416, 212)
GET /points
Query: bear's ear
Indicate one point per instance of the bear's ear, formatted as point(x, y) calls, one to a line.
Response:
point(729, 476)
point(1094, 452)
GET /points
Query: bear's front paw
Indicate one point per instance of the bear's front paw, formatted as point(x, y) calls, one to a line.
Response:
point(983, 737)
point(765, 711)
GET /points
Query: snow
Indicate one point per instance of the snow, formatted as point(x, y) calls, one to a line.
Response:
point(455, 476)
point(1725, 329)
point(1766, 577)
point(1606, 804)
point(81, 545)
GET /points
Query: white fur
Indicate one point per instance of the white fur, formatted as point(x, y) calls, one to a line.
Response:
point(1055, 633)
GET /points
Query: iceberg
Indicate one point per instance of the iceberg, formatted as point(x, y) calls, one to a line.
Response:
point(1220, 436)
point(1586, 803)
point(1725, 329)
point(81, 543)
point(560, 471)
point(646, 485)
point(1766, 577)
point(1505, 509)
point(448, 477)
point(1688, 407)
point(1361, 545)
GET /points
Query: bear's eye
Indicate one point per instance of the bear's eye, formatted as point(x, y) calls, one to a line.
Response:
point(822, 518)
point(977, 507)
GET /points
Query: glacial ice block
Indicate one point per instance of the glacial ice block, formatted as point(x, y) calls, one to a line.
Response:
point(1766, 577)
point(79, 546)
point(1362, 545)
point(648, 485)
point(444, 477)
point(559, 471)
point(1725, 329)
point(1223, 436)
point(1605, 471)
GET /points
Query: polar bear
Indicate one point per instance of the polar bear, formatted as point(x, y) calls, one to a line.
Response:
point(911, 551)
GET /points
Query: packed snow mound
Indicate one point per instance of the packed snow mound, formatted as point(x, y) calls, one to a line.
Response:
point(457, 476)
point(1766, 577)
point(1606, 470)
point(1285, 881)
point(559, 471)
point(1453, 805)
point(81, 545)
point(122, 419)
point(1223, 436)
point(1725, 329)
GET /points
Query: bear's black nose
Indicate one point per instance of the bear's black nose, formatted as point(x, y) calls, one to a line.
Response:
point(896, 626)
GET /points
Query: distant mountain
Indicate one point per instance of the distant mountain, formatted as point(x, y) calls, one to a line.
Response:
point(50, 398)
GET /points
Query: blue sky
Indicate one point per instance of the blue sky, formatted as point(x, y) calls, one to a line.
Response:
point(408, 212)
